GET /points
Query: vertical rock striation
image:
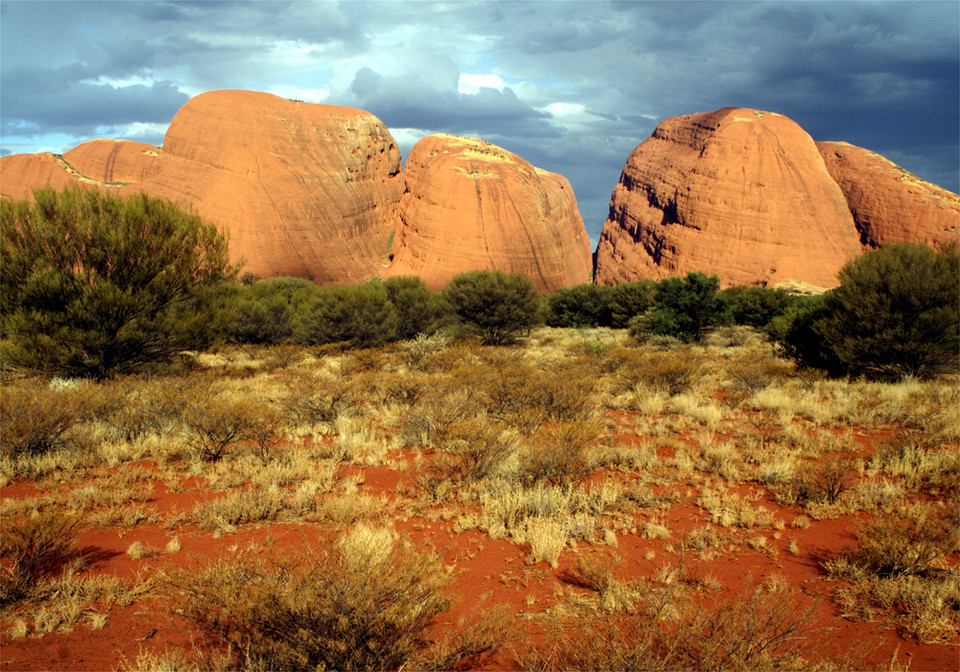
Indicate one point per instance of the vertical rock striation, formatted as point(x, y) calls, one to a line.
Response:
point(738, 192)
point(471, 205)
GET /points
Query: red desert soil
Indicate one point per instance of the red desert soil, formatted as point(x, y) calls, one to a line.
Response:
point(489, 572)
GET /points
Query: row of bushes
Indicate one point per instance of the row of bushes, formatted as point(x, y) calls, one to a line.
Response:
point(94, 285)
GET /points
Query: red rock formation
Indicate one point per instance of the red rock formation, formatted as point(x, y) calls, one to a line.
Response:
point(113, 162)
point(303, 190)
point(888, 204)
point(471, 205)
point(20, 174)
point(736, 192)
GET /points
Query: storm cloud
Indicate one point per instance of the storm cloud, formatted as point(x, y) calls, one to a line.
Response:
point(571, 86)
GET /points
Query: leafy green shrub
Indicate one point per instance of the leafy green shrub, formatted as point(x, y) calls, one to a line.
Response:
point(756, 306)
point(629, 299)
point(688, 307)
point(92, 281)
point(360, 316)
point(494, 305)
point(795, 334)
point(579, 306)
point(368, 604)
point(419, 310)
point(895, 313)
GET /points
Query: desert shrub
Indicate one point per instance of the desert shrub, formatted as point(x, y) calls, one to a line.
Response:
point(911, 540)
point(216, 420)
point(494, 305)
point(672, 372)
point(756, 306)
point(419, 310)
point(629, 299)
point(688, 307)
point(895, 313)
point(755, 372)
point(822, 482)
point(796, 337)
point(418, 349)
point(561, 454)
point(360, 316)
point(564, 396)
point(579, 306)
point(367, 604)
point(763, 631)
point(34, 547)
point(478, 447)
point(92, 282)
point(34, 418)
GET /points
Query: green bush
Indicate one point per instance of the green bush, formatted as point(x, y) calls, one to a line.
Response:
point(94, 284)
point(495, 305)
point(579, 306)
point(757, 306)
point(419, 310)
point(360, 316)
point(629, 299)
point(895, 313)
point(264, 312)
point(688, 307)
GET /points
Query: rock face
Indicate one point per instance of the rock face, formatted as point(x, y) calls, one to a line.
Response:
point(738, 192)
point(303, 190)
point(888, 204)
point(20, 174)
point(113, 162)
point(471, 205)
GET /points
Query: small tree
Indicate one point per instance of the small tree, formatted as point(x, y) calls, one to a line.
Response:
point(687, 307)
point(895, 313)
point(93, 284)
point(495, 305)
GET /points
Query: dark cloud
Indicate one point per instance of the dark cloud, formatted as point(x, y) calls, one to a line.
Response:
point(407, 101)
point(581, 83)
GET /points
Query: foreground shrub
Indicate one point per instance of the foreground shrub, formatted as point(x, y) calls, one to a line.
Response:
point(494, 305)
point(764, 631)
point(94, 284)
point(35, 418)
point(367, 604)
point(895, 313)
point(33, 548)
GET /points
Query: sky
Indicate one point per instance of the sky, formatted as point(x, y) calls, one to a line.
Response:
point(571, 86)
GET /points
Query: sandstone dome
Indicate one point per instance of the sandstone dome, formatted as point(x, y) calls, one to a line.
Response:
point(471, 205)
point(738, 192)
